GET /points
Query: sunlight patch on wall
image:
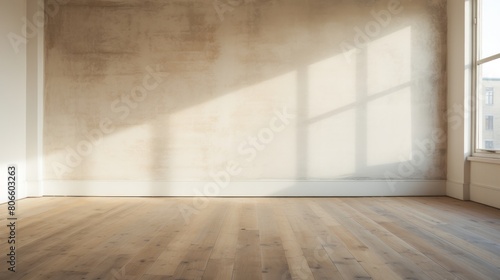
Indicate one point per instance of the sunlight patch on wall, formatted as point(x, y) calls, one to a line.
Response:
point(133, 143)
point(389, 61)
point(332, 146)
point(89, 155)
point(389, 128)
point(332, 84)
point(235, 126)
point(389, 114)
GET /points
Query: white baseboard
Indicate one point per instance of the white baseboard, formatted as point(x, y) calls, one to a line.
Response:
point(253, 188)
point(488, 195)
point(457, 190)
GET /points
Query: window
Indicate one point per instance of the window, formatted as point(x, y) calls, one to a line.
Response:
point(489, 96)
point(487, 69)
point(488, 124)
point(489, 144)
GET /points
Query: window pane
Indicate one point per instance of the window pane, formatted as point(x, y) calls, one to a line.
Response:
point(489, 20)
point(488, 107)
point(489, 144)
point(489, 96)
point(488, 124)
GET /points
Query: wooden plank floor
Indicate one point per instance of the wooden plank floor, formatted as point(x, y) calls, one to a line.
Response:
point(253, 238)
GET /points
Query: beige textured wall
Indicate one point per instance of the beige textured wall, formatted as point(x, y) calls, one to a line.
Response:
point(179, 90)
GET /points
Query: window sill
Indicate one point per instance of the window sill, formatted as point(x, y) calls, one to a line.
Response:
point(493, 159)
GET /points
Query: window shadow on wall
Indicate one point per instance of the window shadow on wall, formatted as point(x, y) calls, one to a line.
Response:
point(359, 100)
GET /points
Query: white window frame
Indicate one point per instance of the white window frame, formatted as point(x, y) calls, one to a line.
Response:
point(476, 91)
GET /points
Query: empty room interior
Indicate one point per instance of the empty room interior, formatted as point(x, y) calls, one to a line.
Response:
point(250, 139)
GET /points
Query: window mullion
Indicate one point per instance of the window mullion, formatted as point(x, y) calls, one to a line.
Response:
point(488, 59)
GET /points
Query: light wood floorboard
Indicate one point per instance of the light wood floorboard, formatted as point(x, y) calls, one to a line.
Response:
point(253, 238)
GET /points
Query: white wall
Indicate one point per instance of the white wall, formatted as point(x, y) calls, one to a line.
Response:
point(34, 99)
point(13, 96)
point(458, 100)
